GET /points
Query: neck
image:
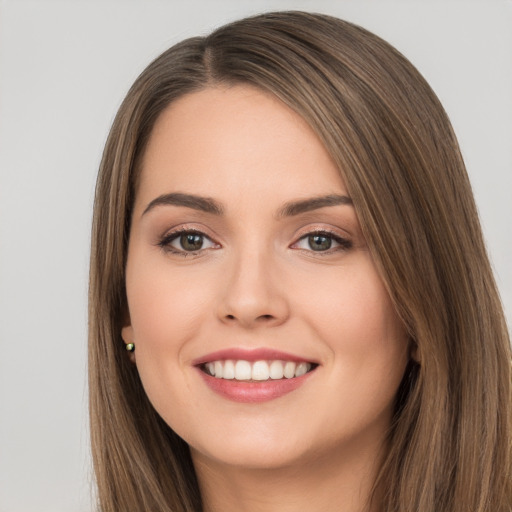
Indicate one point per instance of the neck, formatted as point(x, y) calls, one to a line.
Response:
point(323, 484)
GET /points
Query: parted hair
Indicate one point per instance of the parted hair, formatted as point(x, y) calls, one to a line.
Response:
point(449, 445)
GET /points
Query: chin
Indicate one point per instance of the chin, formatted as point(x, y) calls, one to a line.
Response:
point(288, 441)
point(254, 454)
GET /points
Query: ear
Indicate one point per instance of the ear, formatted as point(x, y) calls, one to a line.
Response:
point(128, 337)
point(414, 352)
point(127, 334)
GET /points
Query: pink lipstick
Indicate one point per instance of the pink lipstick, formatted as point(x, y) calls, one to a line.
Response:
point(256, 375)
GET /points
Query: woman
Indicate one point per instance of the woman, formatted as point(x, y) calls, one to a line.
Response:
point(290, 299)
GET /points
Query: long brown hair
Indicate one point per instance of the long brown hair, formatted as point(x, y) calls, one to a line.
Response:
point(450, 441)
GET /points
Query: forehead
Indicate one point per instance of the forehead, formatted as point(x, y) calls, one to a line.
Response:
point(237, 138)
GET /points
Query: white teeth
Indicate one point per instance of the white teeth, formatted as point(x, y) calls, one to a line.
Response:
point(302, 369)
point(229, 370)
point(243, 370)
point(259, 370)
point(276, 370)
point(218, 369)
point(289, 370)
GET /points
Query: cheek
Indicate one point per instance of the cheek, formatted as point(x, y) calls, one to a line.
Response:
point(356, 320)
point(351, 299)
point(167, 310)
point(165, 307)
point(379, 345)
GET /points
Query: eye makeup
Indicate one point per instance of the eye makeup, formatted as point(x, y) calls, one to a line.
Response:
point(186, 241)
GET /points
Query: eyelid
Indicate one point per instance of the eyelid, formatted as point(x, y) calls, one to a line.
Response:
point(164, 241)
point(328, 229)
point(187, 227)
point(344, 242)
point(171, 234)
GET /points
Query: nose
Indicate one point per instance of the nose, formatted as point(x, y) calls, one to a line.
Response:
point(252, 295)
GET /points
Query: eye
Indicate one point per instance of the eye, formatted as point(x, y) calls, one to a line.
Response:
point(322, 242)
point(186, 241)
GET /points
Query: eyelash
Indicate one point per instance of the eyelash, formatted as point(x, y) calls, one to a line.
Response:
point(165, 243)
point(343, 243)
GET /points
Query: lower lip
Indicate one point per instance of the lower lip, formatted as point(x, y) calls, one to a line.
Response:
point(253, 392)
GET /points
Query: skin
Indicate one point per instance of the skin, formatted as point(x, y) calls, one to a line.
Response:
point(257, 283)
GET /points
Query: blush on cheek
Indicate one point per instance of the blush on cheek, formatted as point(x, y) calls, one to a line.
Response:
point(165, 307)
point(361, 311)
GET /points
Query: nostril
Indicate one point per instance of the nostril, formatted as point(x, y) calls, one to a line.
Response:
point(261, 317)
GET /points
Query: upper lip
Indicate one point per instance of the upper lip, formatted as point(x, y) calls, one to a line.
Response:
point(257, 354)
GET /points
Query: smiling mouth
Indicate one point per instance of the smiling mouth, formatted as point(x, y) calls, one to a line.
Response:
point(256, 371)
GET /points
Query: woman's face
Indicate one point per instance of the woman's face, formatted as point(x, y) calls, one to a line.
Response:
point(246, 268)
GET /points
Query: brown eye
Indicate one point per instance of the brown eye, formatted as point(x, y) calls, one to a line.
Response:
point(191, 241)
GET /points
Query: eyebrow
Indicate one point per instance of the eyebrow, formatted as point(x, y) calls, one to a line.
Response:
point(203, 204)
point(208, 205)
point(306, 205)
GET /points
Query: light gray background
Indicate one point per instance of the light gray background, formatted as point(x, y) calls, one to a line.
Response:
point(64, 68)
